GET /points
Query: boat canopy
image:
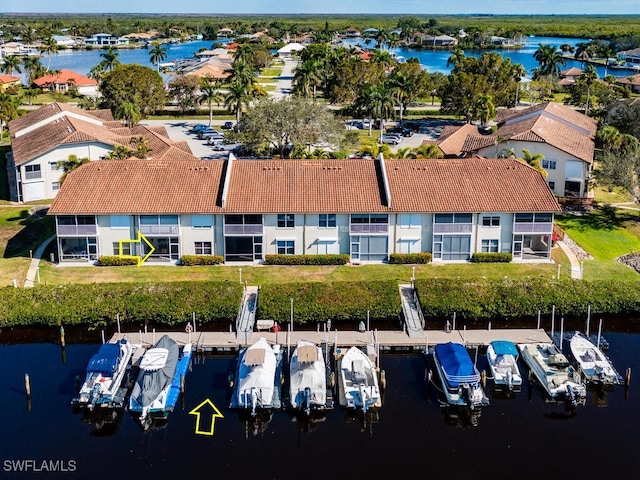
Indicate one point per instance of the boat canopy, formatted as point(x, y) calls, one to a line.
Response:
point(456, 364)
point(504, 347)
point(105, 361)
point(151, 382)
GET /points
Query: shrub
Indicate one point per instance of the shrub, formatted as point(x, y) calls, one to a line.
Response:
point(193, 260)
point(404, 258)
point(115, 261)
point(492, 257)
point(330, 259)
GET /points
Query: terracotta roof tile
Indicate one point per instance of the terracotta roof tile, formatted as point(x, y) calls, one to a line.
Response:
point(454, 138)
point(64, 76)
point(468, 185)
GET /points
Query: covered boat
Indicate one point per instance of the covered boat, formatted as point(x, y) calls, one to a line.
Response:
point(359, 381)
point(553, 371)
point(459, 376)
point(162, 369)
point(502, 358)
point(592, 363)
point(307, 378)
point(103, 385)
point(256, 377)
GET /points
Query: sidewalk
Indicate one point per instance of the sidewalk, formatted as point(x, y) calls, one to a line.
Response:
point(32, 273)
point(576, 268)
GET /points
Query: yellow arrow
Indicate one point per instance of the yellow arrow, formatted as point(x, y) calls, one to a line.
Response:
point(141, 238)
point(216, 414)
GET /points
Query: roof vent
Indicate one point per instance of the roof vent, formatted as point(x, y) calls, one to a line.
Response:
point(69, 129)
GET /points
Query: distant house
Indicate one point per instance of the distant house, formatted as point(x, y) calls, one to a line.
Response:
point(630, 57)
point(65, 80)
point(352, 32)
point(106, 40)
point(225, 32)
point(64, 41)
point(8, 81)
point(632, 82)
point(569, 76)
point(288, 50)
point(564, 137)
point(501, 41)
point(435, 41)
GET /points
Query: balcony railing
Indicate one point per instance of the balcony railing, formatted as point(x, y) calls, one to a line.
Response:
point(243, 230)
point(160, 229)
point(359, 228)
point(78, 230)
point(533, 227)
point(32, 175)
point(452, 227)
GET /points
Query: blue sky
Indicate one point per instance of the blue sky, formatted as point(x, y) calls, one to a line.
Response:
point(421, 7)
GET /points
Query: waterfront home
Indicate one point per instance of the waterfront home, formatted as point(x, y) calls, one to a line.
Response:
point(565, 137)
point(64, 41)
point(19, 49)
point(8, 81)
point(631, 58)
point(44, 137)
point(632, 82)
point(569, 76)
point(246, 209)
point(63, 81)
point(225, 32)
point(290, 49)
point(106, 40)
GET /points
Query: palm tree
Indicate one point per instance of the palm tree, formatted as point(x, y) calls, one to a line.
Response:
point(484, 109)
point(456, 58)
point(29, 94)
point(534, 160)
point(157, 54)
point(428, 151)
point(382, 103)
point(142, 147)
point(236, 98)
point(49, 46)
point(549, 59)
point(518, 71)
point(69, 165)
point(244, 54)
point(129, 112)
point(120, 152)
point(209, 93)
point(9, 105)
point(307, 78)
point(110, 59)
point(11, 64)
point(588, 78)
point(33, 68)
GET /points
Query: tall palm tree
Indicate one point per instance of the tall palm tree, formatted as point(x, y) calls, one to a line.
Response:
point(69, 165)
point(534, 160)
point(33, 68)
point(29, 94)
point(456, 58)
point(236, 98)
point(129, 112)
point(110, 58)
point(484, 109)
point(11, 64)
point(517, 71)
point(210, 93)
point(549, 59)
point(49, 46)
point(588, 78)
point(9, 105)
point(307, 78)
point(157, 54)
point(244, 54)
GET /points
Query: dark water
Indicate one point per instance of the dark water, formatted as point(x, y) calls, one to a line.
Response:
point(521, 437)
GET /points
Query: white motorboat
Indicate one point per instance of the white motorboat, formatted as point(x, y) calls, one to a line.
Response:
point(459, 376)
point(553, 371)
point(162, 369)
point(307, 378)
point(103, 384)
point(502, 358)
point(592, 363)
point(256, 382)
point(359, 381)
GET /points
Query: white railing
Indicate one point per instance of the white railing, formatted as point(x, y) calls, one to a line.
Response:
point(452, 227)
point(358, 228)
point(533, 227)
point(77, 230)
point(243, 229)
point(160, 229)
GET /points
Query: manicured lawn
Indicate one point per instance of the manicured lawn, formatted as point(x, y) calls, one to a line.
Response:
point(612, 195)
point(271, 72)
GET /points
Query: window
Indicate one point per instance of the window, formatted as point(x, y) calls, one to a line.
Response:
point(55, 185)
point(54, 166)
point(201, 221)
point(327, 220)
point(31, 172)
point(552, 185)
point(286, 220)
point(119, 221)
point(409, 220)
point(285, 247)
point(548, 164)
point(491, 221)
point(453, 218)
point(126, 248)
point(489, 246)
point(202, 248)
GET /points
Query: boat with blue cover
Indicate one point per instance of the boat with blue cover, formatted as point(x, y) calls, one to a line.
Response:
point(162, 371)
point(459, 376)
point(103, 385)
point(502, 358)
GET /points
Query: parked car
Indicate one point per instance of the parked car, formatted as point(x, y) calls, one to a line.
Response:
point(213, 138)
point(203, 134)
point(217, 147)
point(405, 132)
point(390, 139)
point(198, 127)
point(227, 126)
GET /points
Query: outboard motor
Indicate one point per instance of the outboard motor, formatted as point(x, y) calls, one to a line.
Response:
point(572, 395)
point(307, 400)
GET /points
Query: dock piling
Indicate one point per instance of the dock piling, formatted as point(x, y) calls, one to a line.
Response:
point(599, 333)
point(62, 336)
point(483, 378)
point(588, 319)
point(538, 326)
point(627, 377)
point(103, 336)
point(27, 385)
point(118, 321)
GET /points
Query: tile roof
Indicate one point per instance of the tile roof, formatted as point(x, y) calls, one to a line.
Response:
point(64, 76)
point(140, 186)
point(8, 78)
point(453, 137)
point(301, 186)
point(468, 185)
point(561, 113)
point(48, 111)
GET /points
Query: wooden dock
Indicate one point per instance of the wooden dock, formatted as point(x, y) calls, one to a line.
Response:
point(388, 341)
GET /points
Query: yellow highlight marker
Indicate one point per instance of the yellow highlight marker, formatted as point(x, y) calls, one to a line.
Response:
point(215, 414)
point(141, 238)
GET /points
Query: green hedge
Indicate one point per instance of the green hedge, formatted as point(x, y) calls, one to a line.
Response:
point(319, 301)
point(492, 257)
point(115, 261)
point(99, 304)
point(191, 260)
point(406, 258)
point(330, 259)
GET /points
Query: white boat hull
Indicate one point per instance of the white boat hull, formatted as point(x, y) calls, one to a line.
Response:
point(256, 374)
point(359, 381)
point(504, 370)
point(307, 378)
point(592, 363)
point(466, 394)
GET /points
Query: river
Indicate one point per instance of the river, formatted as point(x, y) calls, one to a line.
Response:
point(522, 437)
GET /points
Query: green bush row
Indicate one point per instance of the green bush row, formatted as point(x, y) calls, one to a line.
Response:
point(492, 257)
point(405, 258)
point(99, 304)
point(191, 260)
point(330, 259)
point(115, 261)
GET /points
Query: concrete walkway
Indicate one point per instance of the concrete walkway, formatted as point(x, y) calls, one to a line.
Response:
point(285, 80)
point(32, 273)
point(576, 267)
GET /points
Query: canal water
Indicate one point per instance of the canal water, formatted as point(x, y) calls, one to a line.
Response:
point(412, 435)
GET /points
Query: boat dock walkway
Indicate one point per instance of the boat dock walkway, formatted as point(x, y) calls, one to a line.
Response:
point(247, 316)
point(413, 318)
point(387, 340)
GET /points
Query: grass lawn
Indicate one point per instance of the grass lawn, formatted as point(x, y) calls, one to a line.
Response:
point(270, 72)
point(612, 195)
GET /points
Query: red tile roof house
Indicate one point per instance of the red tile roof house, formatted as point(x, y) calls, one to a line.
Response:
point(8, 81)
point(246, 209)
point(42, 138)
point(65, 80)
point(564, 136)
